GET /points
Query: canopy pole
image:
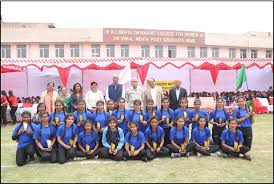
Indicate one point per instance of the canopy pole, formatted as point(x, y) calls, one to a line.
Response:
point(189, 80)
point(27, 82)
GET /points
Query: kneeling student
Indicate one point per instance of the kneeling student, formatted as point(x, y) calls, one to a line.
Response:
point(88, 142)
point(232, 141)
point(155, 137)
point(201, 137)
point(23, 133)
point(44, 136)
point(135, 144)
point(113, 141)
point(66, 136)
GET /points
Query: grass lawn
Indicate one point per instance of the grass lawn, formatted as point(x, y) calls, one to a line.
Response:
point(193, 169)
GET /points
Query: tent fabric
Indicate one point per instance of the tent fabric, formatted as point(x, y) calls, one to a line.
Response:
point(136, 62)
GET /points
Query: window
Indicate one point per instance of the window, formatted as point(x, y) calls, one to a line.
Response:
point(59, 51)
point(268, 54)
point(95, 50)
point(44, 51)
point(232, 53)
point(110, 50)
point(191, 52)
point(159, 51)
point(21, 51)
point(215, 52)
point(145, 51)
point(124, 51)
point(203, 52)
point(242, 53)
point(253, 53)
point(171, 51)
point(74, 50)
point(5, 51)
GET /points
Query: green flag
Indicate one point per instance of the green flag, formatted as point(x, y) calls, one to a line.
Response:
point(241, 77)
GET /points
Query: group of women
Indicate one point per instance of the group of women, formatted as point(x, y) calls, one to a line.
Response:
point(118, 133)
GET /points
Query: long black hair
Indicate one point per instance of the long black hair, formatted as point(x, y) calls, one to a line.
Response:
point(113, 138)
point(64, 131)
point(150, 128)
point(38, 106)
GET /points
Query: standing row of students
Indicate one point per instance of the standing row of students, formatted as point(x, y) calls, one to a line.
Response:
point(138, 134)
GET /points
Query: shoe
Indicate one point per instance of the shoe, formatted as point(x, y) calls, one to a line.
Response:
point(124, 159)
point(31, 159)
point(187, 155)
point(216, 154)
point(175, 155)
point(96, 157)
point(247, 157)
point(199, 154)
point(225, 155)
point(144, 159)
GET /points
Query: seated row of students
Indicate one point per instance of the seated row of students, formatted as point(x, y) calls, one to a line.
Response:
point(69, 144)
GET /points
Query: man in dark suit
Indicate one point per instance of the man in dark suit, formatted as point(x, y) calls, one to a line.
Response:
point(175, 94)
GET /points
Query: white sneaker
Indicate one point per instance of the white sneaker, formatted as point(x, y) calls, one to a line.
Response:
point(216, 154)
point(187, 155)
point(199, 154)
point(175, 155)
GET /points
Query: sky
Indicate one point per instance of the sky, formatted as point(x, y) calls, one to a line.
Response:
point(214, 17)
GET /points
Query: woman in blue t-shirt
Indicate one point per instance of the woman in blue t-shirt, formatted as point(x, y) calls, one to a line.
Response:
point(121, 115)
point(44, 136)
point(23, 134)
point(57, 118)
point(201, 137)
point(113, 141)
point(179, 138)
point(135, 144)
point(67, 137)
point(232, 141)
point(219, 118)
point(243, 118)
point(88, 141)
point(155, 137)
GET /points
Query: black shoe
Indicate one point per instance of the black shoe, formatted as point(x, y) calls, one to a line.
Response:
point(144, 159)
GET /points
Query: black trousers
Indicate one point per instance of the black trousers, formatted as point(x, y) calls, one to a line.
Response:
point(105, 154)
point(243, 150)
point(163, 152)
point(189, 147)
point(65, 154)
point(216, 134)
point(248, 136)
point(142, 154)
point(50, 156)
point(80, 153)
point(23, 153)
point(167, 139)
point(212, 149)
point(4, 115)
point(12, 114)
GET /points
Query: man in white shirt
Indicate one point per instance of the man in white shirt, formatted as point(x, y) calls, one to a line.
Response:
point(134, 92)
point(153, 92)
point(93, 96)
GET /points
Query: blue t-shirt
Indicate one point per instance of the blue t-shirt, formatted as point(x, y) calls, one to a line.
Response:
point(68, 133)
point(151, 113)
point(136, 140)
point(85, 116)
point(180, 112)
point(61, 116)
point(24, 139)
point(200, 112)
point(200, 136)
point(136, 118)
point(237, 115)
point(44, 134)
point(117, 114)
point(229, 137)
point(152, 135)
point(219, 114)
point(89, 139)
point(179, 135)
point(169, 115)
point(101, 117)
